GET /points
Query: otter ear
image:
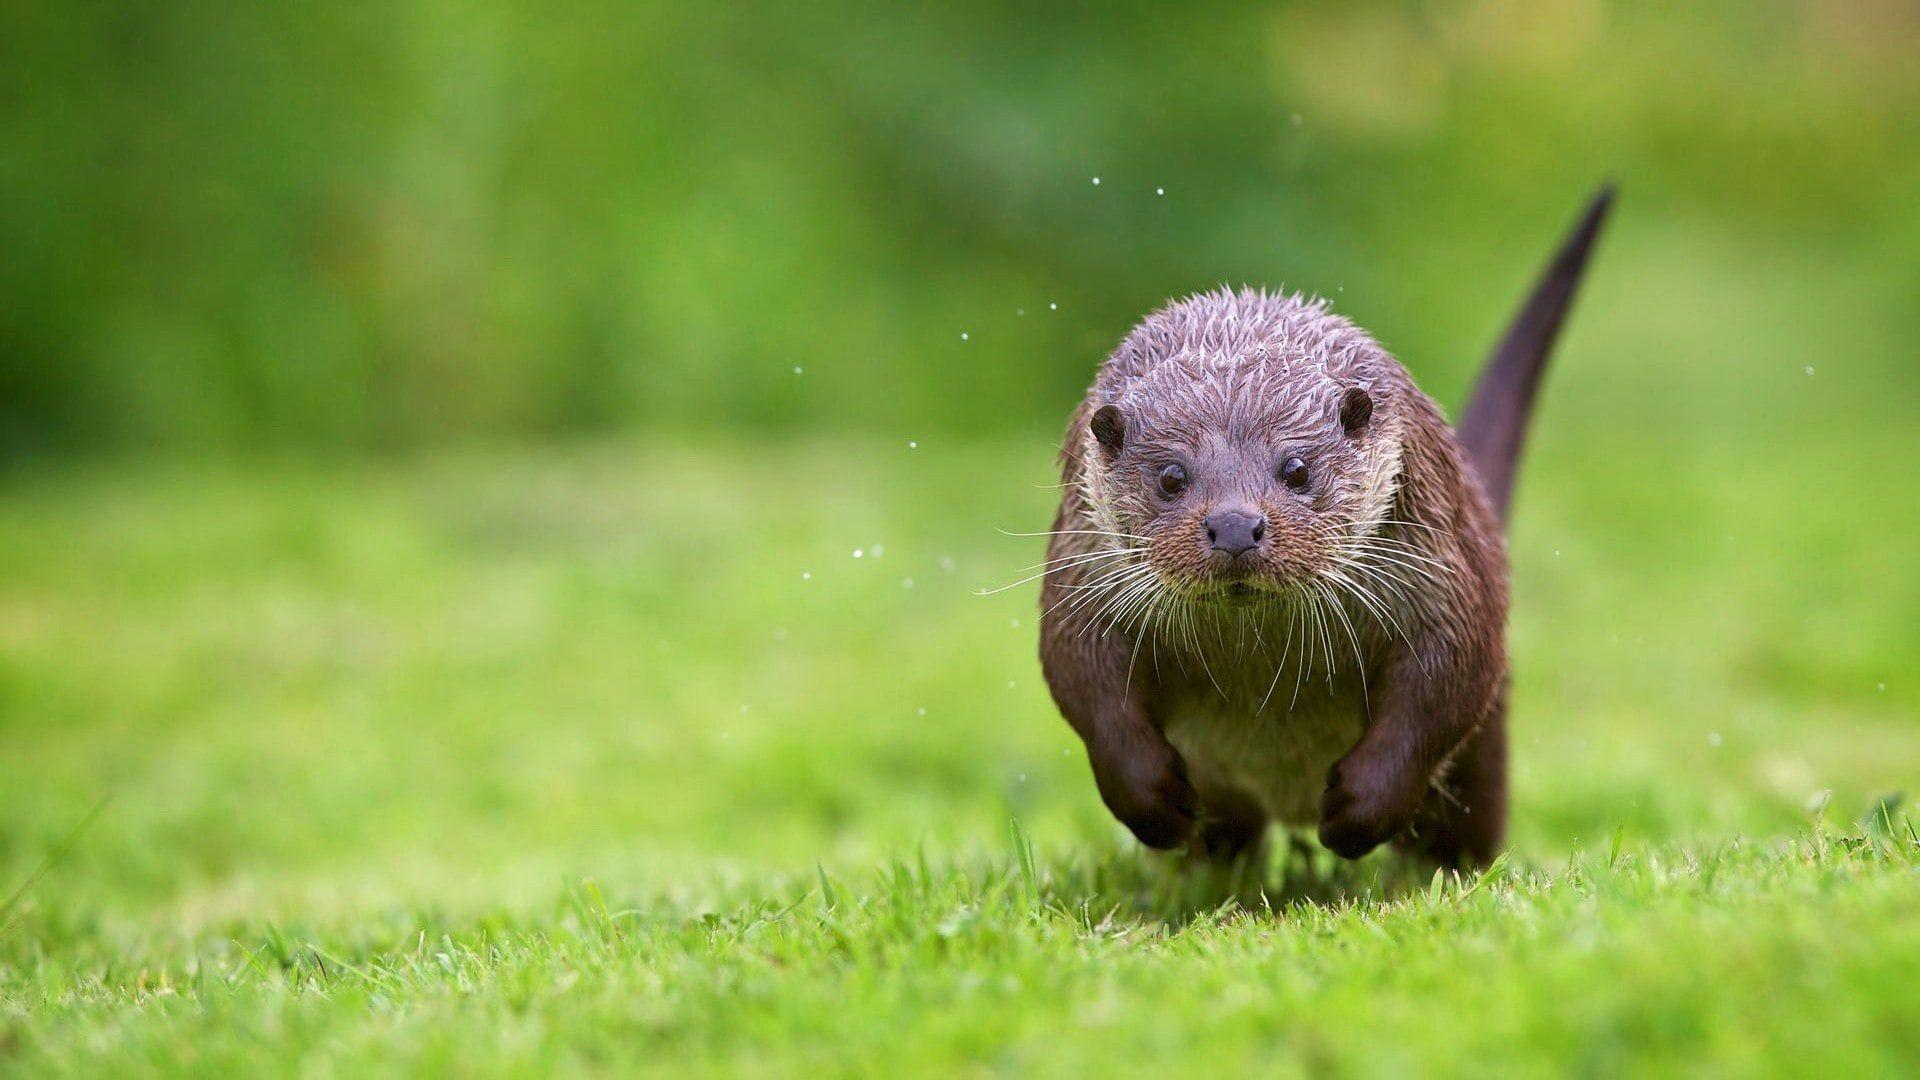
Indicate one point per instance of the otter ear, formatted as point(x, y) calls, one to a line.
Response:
point(1109, 426)
point(1356, 408)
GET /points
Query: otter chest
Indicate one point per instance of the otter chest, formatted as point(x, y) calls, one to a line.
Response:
point(1278, 756)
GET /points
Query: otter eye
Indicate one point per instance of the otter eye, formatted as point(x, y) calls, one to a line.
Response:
point(1294, 473)
point(1173, 480)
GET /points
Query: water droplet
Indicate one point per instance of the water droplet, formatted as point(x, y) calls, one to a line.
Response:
point(1096, 181)
point(1809, 369)
point(1020, 311)
point(963, 335)
point(1009, 684)
point(923, 710)
point(1053, 307)
point(912, 445)
point(1159, 191)
point(1713, 738)
point(796, 370)
point(1015, 623)
point(877, 550)
point(806, 575)
point(858, 553)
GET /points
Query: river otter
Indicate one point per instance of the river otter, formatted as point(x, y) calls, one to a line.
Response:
point(1276, 587)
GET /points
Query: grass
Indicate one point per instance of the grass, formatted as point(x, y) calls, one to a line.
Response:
point(1738, 956)
point(615, 757)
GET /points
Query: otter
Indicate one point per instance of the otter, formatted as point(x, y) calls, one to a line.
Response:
point(1276, 586)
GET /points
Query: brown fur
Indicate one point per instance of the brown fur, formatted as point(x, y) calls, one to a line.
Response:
point(1348, 669)
point(1230, 384)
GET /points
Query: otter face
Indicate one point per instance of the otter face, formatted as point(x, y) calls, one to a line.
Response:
point(1247, 497)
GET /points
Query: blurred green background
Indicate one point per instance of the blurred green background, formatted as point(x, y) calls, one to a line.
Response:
point(328, 227)
point(451, 450)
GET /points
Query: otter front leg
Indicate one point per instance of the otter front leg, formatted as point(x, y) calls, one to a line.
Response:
point(1464, 818)
point(1431, 699)
point(1141, 777)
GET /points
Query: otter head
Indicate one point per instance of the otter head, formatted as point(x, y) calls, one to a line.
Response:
point(1247, 465)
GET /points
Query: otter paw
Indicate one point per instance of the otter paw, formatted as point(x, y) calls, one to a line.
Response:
point(1154, 801)
point(1358, 813)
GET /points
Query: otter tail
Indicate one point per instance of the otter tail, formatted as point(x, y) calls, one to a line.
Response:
point(1494, 426)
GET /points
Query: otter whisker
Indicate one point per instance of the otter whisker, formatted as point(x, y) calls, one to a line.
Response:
point(1052, 569)
point(1385, 546)
point(1360, 581)
point(1076, 557)
point(1115, 579)
point(1097, 594)
point(1189, 634)
point(1401, 548)
point(1305, 668)
point(1123, 598)
point(1400, 588)
point(1131, 657)
point(1079, 559)
point(1167, 610)
point(1077, 532)
point(1108, 574)
point(1286, 650)
point(1156, 613)
point(1384, 559)
point(1103, 602)
point(1075, 602)
point(1346, 623)
point(1325, 633)
point(1389, 582)
point(1310, 624)
point(1207, 668)
point(1144, 597)
point(1405, 524)
point(1111, 586)
point(1406, 547)
point(1094, 609)
point(1366, 600)
point(1366, 578)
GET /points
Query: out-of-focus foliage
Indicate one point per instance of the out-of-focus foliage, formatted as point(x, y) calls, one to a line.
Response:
point(328, 226)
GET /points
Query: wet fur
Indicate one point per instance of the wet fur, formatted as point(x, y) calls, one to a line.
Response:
point(1358, 682)
point(1249, 369)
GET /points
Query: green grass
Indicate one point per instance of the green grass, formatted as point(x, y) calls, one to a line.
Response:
point(614, 757)
point(1738, 956)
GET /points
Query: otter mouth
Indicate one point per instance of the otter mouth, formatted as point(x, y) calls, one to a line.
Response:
point(1240, 594)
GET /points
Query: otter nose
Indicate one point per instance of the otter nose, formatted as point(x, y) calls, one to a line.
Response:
point(1235, 531)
